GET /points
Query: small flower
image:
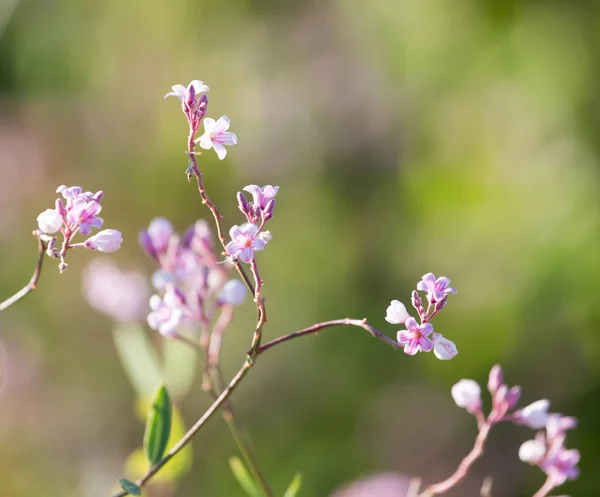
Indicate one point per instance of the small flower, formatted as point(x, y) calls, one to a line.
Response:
point(561, 465)
point(233, 293)
point(535, 415)
point(216, 136)
point(396, 313)
point(167, 312)
point(155, 239)
point(83, 213)
point(105, 241)
point(443, 348)
point(181, 92)
point(467, 394)
point(245, 240)
point(436, 289)
point(414, 338)
point(496, 379)
point(261, 196)
point(50, 221)
point(532, 451)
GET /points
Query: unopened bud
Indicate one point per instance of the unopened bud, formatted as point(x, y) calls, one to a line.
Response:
point(267, 212)
point(243, 203)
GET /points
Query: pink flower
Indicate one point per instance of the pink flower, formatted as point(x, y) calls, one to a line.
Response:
point(535, 415)
point(83, 213)
point(436, 289)
point(50, 221)
point(155, 239)
point(216, 136)
point(396, 313)
point(443, 348)
point(261, 196)
point(467, 394)
point(414, 338)
point(167, 313)
point(245, 239)
point(262, 205)
point(105, 241)
point(182, 93)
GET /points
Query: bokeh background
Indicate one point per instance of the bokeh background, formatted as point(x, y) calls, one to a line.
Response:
point(455, 137)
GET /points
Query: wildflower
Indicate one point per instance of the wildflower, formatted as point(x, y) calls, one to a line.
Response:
point(396, 313)
point(245, 239)
point(155, 239)
point(532, 451)
point(167, 312)
point(436, 289)
point(467, 394)
point(182, 93)
point(105, 241)
point(415, 337)
point(50, 221)
point(535, 415)
point(443, 348)
point(216, 136)
point(83, 214)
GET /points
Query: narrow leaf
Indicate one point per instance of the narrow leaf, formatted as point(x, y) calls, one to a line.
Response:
point(130, 487)
point(158, 426)
point(243, 477)
point(294, 487)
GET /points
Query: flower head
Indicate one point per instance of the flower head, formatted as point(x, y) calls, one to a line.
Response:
point(436, 289)
point(83, 213)
point(535, 415)
point(216, 136)
point(183, 93)
point(167, 312)
point(415, 337)
point(245, 239)
point(105, 241)
point(467, 394)
point(396, 313)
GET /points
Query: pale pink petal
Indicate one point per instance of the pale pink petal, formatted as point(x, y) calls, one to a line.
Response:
point(209, 124)
point(412, 347)
point(222, 124)
point(425, 344)
point(404, 336)
point(246, 254)
point(396, 313)
point(220, 149)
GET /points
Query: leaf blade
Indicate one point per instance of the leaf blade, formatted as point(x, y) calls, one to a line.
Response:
point(294, 487)
point(158, 426)
point(243, 477)
point(130, 487)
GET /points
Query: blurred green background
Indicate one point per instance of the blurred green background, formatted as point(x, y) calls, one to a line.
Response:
point(455, 137)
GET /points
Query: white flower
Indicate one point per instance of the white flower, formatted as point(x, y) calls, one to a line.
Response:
point(50, 221)
point(443, 348)
point(105, 241)
point(467, 394)
point(181, 91)
point(535, 415)
point(532, 451)
point(216, 136)
point(396, 313)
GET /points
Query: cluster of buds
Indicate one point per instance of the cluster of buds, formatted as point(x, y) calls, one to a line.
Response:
point(194, 103)
point(191, 282)
point(77, 213)
point(420, 336)
point(249, 237)
point(547, 450)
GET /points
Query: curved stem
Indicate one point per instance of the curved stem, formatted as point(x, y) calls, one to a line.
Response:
point(464, 466)
point(545, 489)
point(32, 285)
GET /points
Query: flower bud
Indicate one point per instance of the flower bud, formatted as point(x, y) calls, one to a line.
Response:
point(105, 241)
point(233, 293)
point(467, 394)
point(50, 221)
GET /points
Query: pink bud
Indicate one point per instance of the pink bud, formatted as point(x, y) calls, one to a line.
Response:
point(60, 207)
point(267, 212)
point(467, 394)
point(496, 378)
point(105, 241)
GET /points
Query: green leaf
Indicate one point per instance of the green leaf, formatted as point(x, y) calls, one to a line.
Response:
point(294, 487)
point(158, 426)
point(130, 487)
point(138, 358)
point(243, 477)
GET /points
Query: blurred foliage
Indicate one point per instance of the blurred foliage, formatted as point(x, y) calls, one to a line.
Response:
point(454, 137)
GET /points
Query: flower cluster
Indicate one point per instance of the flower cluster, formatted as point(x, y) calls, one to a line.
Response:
point(194, 103)
point(547, 450)
point(191, 282)
point(76, 212)
point(420, 336)
point(249, 237)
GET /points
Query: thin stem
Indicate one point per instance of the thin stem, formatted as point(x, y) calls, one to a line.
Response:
point(240, 437)
point(261, 310)
point(464, 466)
point(194, 429)
point(546, 488)
point(315, 328)
point(32, 285)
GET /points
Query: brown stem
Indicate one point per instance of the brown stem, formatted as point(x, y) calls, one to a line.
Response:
point(464, 466)
point(32, 285)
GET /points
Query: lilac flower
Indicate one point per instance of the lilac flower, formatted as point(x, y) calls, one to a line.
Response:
point(245, 239)
point(233, 293)
point(155, 239)
point(261, 196)
point(436, 289)
point(443, 348)
point(123, 296)
point(396, 313)
point(105, 241)
point(561, 464)
point(216, 136)
point(467, 394)
point(166, 312)
point(535, 415)
point(415, 337)
point(182, 93)
point(50, 221)
point(83, 213)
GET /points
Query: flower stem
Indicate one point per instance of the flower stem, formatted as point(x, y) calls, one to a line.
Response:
point(546, 488)
point(32, 285)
